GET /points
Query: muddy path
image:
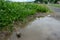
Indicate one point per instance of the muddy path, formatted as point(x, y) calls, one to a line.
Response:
point(44, 28)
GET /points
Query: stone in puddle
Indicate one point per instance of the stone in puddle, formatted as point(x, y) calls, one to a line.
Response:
point(18, 35)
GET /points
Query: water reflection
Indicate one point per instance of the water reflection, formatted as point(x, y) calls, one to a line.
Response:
point(44, 28)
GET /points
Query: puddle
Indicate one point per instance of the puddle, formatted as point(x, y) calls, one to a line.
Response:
point(46, 28)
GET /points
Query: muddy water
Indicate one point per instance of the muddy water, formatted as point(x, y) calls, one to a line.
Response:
point(46, 28)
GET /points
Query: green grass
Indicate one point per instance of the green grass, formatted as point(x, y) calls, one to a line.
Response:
point(56, 5)
point(15, 11)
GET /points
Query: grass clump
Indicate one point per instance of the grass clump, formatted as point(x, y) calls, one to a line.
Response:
point(56, 5)
point(14, 11)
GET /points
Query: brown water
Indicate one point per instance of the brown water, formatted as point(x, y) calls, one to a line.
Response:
point(46, 28)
